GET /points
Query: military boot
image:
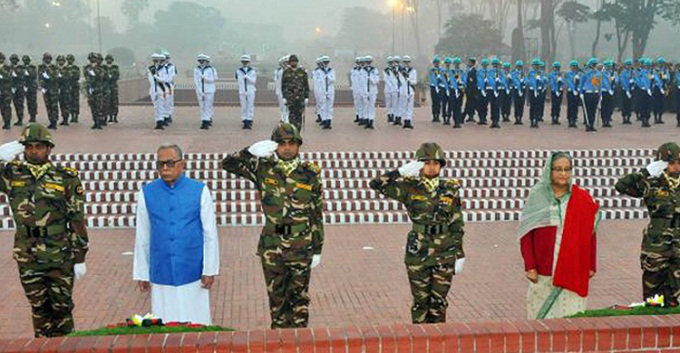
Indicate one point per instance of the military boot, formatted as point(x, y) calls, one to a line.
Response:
point(327, 125)
point(19, 122)
point(407, 124)
point(64, 121)
point(369, 124)
point(32, 119)
point(204, 125)
point(356, 119)
point(52, 125)
point(160, 125)
point(390, 118)
point(397, 121)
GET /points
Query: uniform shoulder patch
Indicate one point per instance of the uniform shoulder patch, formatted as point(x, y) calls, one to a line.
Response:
point(313, 166)
point(453, 183)
point(70, 171)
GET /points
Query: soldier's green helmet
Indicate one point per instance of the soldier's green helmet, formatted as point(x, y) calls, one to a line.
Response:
point(286, 131)
point(70, 58)
point(26, 59)
point(2, 56)
point(668, 152)
point(14, 58)
point(92, 56)
point(60, 58)
point(109, 57)
point(431, 151)
point(36, 133)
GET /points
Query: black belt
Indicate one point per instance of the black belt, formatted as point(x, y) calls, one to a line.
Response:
point(54, 229)
point(429, 229)
point(668, 222)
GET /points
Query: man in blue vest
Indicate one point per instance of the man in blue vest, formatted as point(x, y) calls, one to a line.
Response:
point(590, 87)
point(677, 93)
point(556, 89)
point(627, 83)
point(176, 245)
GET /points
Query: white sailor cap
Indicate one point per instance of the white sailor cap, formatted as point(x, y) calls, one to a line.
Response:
point(245, 57)
point(368, 58)
point(358, 59)
point(319, 60)
point(202, 57)
point(325, 58)
point(157, 56)
point(390, 59)
point(166, 54)
point(283, 59)
point(396, 58)
point(406, 58)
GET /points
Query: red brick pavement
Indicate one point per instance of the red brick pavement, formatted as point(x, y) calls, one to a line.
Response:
point(352, 286)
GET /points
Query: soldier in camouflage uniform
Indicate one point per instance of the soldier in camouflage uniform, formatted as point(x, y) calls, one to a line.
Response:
point(434, 246)
point(51, 238)
point(94, 75)
point(291, 241)
point(111, 89)
point(18, 93)
point(30, 87)
point(49, 86)
point(73, 82)
point(658, 185)
point(5, 93)
point(295, 88)
point(64, 89)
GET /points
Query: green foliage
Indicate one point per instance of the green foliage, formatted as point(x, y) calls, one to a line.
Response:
point(365, 29)
point(124, 330)
point(626, 312)
point(573, 11)
point(193, 27)
point(470, 35)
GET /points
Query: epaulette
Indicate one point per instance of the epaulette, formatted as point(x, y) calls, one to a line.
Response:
point(16, 162)
point(313, 166)
point(70, 171)
point(453, 182)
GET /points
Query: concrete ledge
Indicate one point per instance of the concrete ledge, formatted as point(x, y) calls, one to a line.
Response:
point(622, 334)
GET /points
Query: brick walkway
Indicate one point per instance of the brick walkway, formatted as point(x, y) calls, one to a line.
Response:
point(353, 286)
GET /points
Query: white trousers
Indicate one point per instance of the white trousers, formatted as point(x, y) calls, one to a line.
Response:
point(406, 106)
point(186, 303)
point(170, 101)
point(370, 106)
point(283, 109)
point(206, 105)
point(158, 106)
point(391, 102)
point(357, 103)
point(326, 106)
point(247, 105)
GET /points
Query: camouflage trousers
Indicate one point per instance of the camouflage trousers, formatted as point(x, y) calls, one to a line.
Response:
point(296, 109)
point(96, 103)
point(18, 101)
point(6, 107)
point(51, 98)
point(111, 102)
point(49, 292)
point(74, 99)
point(430, 283)
point(32, 102)
point(287, 282)
point(660, 263)
point(65, 103)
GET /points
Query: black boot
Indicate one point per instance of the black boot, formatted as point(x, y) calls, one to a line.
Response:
point(160, 125)
point(318, 118)
point(495, 125)
point(397, 121)
point(52, 125)
point(102, 122)
point(204, 125)
point(369, 124)
point(482, 121)
point(74, 118)
point(64, 122)
point(645, 123)
point(447, 121)
point(506, 119)
point(518, 121)
point(363, 122)
point(32, 119)
point(356, 119)
point(626, 120)
point(407, 124)
point(534, 123)
point(19, 122)
point(555, 121)
point(390, 118)
point(435, 118)
point(115, 118)
point(326, 125)
point(456, 125)
point(247, 125)
point(572, 124)
point(6, 125)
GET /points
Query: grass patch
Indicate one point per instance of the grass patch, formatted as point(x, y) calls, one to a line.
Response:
point(124, 330)
point(643, 310)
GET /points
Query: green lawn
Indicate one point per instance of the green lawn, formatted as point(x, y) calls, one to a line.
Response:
point(625, 312)
point(124, 330)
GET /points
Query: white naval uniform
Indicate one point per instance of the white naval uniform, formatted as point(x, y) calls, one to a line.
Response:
point(372, 80)
point(185, 303)
point(407, 92)
point(391, 91)
point(283, 109)
point(246, 77)
point(362, 88)
point(157, 92)
point(324, 91)
point(170, 73)
point(354, 82)
point(204, 81)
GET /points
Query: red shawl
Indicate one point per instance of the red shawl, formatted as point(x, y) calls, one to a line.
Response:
point(574, 259)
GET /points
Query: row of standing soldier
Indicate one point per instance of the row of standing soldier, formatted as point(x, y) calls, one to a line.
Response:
point(60, 86)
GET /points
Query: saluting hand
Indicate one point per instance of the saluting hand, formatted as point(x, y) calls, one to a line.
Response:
point(263, 148)
point(411, 169)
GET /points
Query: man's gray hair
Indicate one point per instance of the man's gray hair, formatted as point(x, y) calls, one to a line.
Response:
point(171, 146)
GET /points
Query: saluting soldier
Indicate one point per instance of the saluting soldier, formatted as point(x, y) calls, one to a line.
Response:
point(434, 246)
point(658, 185)
point(51, 240)
point(290, 192)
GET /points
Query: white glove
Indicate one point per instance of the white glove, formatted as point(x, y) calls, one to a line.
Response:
point(484, 94)
point(91, 72)
point(316, 260)
point(263, 148)
point(411, 169)
point(43, 90)
point(458, 268)
point(10, 150)
point(582, 97)
point(79, 270)
point(656, 168)
point(285, 101)
point(45, 75)
point(306, 101)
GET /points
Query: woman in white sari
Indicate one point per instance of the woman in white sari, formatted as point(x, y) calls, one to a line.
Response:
point(558, 244)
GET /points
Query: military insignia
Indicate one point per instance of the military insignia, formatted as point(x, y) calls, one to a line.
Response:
point(71, 171)
point(418, 198)
point(18, 183)
point(271, 181)
point(79, 190)
point(54, 186)
point(661, 193)
point(447, 200)
point(453, 182)
point(314, 167)
point(303, 186)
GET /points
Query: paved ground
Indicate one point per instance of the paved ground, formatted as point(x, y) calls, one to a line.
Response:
point(353, 285)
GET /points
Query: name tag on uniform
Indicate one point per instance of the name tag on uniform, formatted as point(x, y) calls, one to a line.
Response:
point(271, 181)
point(445, 199)
point(18, 183)
point(54, 186)
point(418, 198)
point(303, 186)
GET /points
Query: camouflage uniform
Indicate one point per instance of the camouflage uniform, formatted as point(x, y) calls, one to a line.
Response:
point(18, 94)
point(45, 246)
point(30, 87)
point(111, 90)
point(660, 250)
point(50, 86)
point(73, 78)
point(436, 239)
point(94, 75)
point(5, 93)
point(295, 87)
point(293, 231)
point(64, 89)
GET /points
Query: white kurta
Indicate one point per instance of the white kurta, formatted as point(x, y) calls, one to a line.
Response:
point(185, 303)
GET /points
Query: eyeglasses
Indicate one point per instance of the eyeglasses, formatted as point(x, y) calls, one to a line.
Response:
point(169, 163)
point(561, 170)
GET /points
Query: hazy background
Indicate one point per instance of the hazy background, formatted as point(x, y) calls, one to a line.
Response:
point(269, 29)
